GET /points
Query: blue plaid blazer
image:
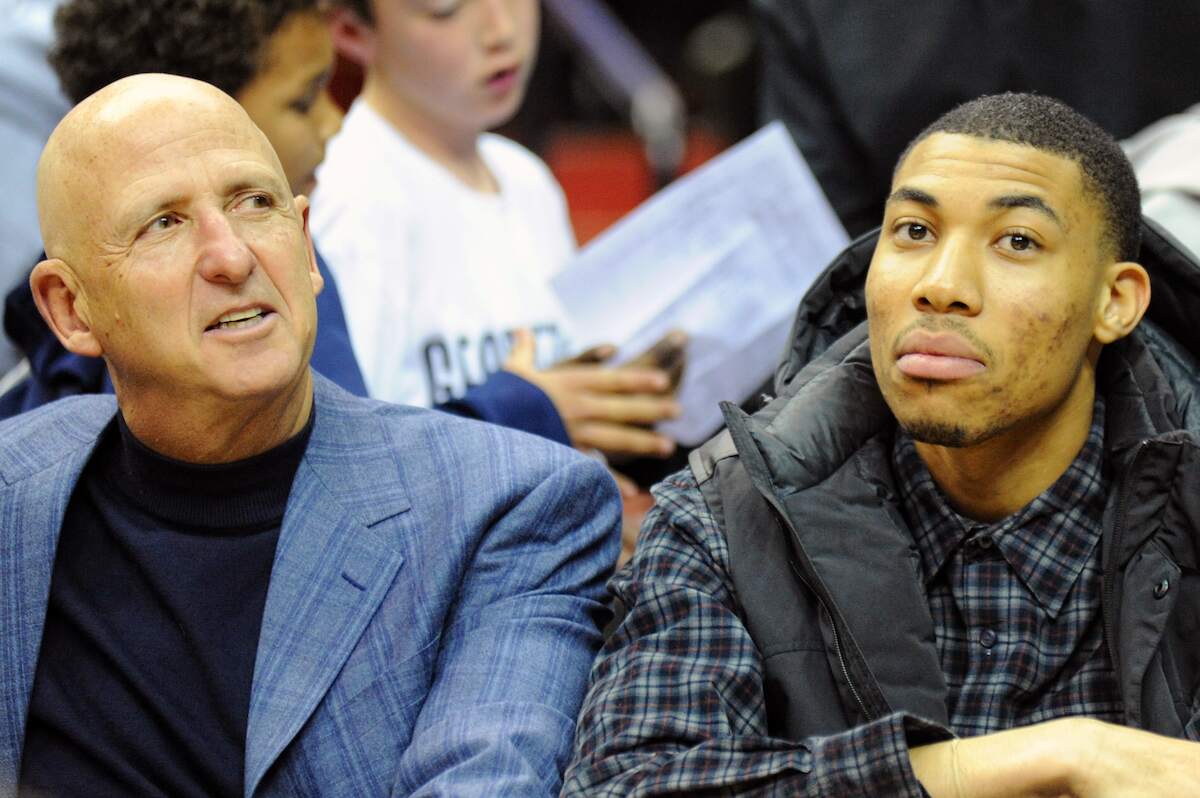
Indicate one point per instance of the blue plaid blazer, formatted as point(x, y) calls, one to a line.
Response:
point(434, 605)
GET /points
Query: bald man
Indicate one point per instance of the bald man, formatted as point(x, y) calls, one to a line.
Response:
point(238, 579)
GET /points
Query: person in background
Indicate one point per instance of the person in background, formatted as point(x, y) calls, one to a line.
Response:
point(855, 81)
point(237, 578)
point(275, 57)
point(449, 234)
point(957, 555)
point(31, 103)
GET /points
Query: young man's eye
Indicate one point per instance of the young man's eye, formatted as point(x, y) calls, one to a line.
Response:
point(1019, 242)
point(913, 231)
point(304, 104)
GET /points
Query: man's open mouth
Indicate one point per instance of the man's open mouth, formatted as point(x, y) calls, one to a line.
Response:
point(238, 318)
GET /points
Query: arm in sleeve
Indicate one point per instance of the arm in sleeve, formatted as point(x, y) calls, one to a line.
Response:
point(514, 402)
point(676, 703)
point(518, 644)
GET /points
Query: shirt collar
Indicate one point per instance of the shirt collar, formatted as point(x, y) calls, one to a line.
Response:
point(1047, 542)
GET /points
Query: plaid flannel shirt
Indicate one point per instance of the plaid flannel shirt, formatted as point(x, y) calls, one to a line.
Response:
point(676, 704)
point(1016, 604)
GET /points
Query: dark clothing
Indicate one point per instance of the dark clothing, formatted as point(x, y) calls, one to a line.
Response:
point(1016, 604)
point(855, 82)
point(505, 399)
point(160, 578)
point(778, 638)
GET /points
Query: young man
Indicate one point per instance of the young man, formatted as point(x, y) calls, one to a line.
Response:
point(957, 554)
point(239, 579)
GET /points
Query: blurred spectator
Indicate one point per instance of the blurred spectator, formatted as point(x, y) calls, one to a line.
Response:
point(274, 57)
point(1166, 157)
point(855, 81)
point(449, 234)
point(30, 106)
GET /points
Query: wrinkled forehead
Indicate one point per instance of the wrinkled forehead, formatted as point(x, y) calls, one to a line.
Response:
point(162, 133)
point(133, 150)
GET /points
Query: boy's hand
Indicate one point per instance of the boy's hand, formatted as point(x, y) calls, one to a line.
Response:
point(610, 409)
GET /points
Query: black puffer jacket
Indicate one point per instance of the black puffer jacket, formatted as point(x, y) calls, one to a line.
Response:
point(824, 565)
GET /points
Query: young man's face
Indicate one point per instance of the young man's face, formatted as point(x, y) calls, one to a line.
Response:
point(984, 291)
point(460, 65)
point(288, 101)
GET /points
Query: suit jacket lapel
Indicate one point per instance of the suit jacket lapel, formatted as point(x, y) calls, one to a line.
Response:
point(34, 494)
point(331, 571)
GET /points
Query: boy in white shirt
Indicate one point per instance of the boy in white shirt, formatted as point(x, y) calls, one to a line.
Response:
point(447, 236)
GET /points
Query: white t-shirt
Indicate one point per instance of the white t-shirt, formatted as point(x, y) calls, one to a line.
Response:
point(434, 276)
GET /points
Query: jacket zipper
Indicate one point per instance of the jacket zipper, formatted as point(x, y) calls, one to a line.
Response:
point(837, 646)
point(837, 637)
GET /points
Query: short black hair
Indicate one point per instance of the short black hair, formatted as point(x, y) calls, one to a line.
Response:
point(222, 42)
point(1047, 124)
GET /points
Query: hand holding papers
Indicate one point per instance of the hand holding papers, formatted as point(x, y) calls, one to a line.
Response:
point(723, 254)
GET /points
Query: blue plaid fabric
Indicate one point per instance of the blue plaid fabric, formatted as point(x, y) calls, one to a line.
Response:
point(1016, 604)
point(676, 703)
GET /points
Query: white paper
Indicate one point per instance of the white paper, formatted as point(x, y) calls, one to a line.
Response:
point(724, 253)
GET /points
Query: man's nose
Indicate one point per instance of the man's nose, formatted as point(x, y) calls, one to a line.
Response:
point(498, 24)
point(224, 256)
point(329, 117)
point(950, 280)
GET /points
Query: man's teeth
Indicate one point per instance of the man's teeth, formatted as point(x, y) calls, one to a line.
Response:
point(239, 318)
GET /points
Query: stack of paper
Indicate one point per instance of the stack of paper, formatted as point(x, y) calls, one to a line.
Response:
point(725, 254)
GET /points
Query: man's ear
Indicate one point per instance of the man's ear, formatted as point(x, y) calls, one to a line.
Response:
point(314, 274)
point(353, 37)
point(56, 293)
point(1125, 297)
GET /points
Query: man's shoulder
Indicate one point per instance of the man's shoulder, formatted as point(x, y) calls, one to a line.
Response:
point(440, 446)
point(33, 441)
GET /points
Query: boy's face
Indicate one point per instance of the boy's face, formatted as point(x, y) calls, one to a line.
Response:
point(458, 65)
point(287, 97)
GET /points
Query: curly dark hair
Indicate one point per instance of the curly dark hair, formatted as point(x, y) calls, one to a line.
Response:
point(1047, 124)
point(221, 42)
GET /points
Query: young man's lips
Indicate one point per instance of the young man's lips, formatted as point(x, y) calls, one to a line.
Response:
point(938, 356)
point(924, 366)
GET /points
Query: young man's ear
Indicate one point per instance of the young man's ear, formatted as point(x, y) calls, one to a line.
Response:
point(1123, 303)
point(56, 293)
point(353, 37)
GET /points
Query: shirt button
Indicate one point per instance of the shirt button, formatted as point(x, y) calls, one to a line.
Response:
point(987, 638)
point(985, 541)
point(1161, 588)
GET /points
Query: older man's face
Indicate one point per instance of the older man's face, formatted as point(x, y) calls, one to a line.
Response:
point(984, 289)
point(196, 267)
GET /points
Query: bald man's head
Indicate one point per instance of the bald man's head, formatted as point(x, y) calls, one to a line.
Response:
point(93, 143)
point(175, 247)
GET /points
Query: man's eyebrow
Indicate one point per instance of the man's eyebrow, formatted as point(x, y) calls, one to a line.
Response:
point(905, 193)
point(318, 81)
point(1026, 201)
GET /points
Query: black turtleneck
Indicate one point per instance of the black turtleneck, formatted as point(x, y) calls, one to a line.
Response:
point(156, 599)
